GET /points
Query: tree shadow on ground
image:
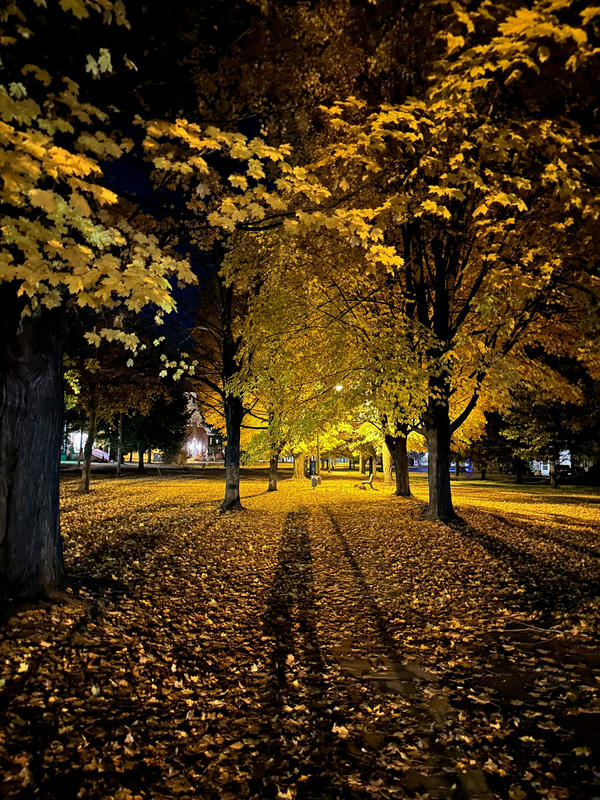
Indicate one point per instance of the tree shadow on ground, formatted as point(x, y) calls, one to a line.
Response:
point(408, 679)
point(534, 494)
point(92, 572)
point(549, 586)
point(541, 532)
point(380, 618)
point(300, 744)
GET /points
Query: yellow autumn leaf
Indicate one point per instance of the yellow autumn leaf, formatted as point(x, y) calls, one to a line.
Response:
point(76, 7)
point(44, 199)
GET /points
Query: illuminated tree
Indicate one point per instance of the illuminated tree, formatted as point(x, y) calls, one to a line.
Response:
point(65, 245)
point(488, 215)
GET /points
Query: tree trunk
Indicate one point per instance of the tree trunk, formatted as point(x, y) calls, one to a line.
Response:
point(361, 464)
point(274, 460)
point(84, 483)
point(299, 462)
point(131, 456)
point(518, 473)
point(150, 456)
point(398, 450)
point(318, 458)
point(141, 452)
point(31, 423)
point(553, 473)
point(234, 413)
point(438, 442)
point(483, 472)
point(386, 456)
point(119, 444)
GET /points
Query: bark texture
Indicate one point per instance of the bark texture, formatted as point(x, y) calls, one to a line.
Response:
point(554, 472)
point(31, 420)
point(234, 413)
point(119, 445)
point(397, 447)
point(84, 483)
point(299, 466)
point(273, 461)
point(438, 442)
point(387, 465)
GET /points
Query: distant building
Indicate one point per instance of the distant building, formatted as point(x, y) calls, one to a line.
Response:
point(201, 443)
point(543, 467)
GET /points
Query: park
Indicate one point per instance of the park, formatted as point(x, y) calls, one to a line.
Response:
point(299, 400)
point(300, 650)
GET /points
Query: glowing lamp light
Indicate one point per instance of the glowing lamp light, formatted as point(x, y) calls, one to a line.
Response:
point(339, 387)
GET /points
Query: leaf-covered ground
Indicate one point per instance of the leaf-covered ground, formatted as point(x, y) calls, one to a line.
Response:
point(327, 643)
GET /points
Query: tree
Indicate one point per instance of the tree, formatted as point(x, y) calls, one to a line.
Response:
point(266, 80)
point(162, 426)
point(543, 425)
point(107, 382)
point(65, 245)
point(472, 170)
point(490, 449)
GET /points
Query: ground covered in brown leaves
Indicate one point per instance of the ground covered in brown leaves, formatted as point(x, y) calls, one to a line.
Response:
point(326, 643)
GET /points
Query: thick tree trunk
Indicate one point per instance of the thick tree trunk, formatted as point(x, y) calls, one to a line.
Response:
point(387, 464)
point(361, 465)
point(398, 449)
point(131, 457)
point(299, 462)
point(31, 422)
point(84, 482)
point(119, 444)
point(438, 443)
point(141, 452)
point(234, 413)
point(274, 460)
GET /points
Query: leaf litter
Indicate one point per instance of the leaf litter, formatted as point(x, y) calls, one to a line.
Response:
point(323, 644)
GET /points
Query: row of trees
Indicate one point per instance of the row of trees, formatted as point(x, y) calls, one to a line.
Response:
point(123, 399)
point(399, 202)
point(434, 252)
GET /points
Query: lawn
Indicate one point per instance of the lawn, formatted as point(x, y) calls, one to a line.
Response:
point(326, 643)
